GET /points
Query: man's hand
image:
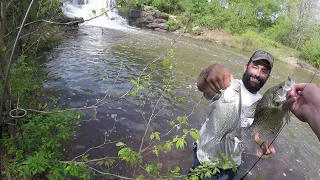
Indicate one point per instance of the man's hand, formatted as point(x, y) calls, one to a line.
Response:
point(266, 148)
point(304, 101)
point(214, 79)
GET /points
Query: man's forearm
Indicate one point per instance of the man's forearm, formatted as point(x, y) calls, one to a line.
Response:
point(315, 125)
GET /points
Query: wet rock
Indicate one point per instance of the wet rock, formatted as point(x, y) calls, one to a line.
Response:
point(71, 21)
point(163, 26)
point(149, 18)
point(160, 21)
point(134, 14)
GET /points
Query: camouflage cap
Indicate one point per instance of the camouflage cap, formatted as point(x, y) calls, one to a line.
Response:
point(262, 55)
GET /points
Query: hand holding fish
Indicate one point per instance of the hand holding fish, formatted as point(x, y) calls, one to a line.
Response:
point(266, 147)
point(213, 79)
point(304, 102)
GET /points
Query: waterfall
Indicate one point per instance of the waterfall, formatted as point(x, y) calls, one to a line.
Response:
point(85, 9)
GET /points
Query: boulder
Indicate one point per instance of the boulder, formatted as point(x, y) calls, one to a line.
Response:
point(159, 20)
point(153, 25)
point(134, 14)
point(163, 26)
point(149, 18)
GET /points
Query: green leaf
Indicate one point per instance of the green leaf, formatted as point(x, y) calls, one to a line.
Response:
point(94, 12)
point(140, 87)
point(133, 94)
point(185, 131)
point(156, 152)
point(103, 10)
point(152, 136)
point(121, 144)
point(208, 174)
point(134, 82)
point(3, 48)
point(216, 170)
point(168, 145)
point(180, 142)
point(105, 77)
point(126, 154)
point(195, 135)
point(99, 163)
point(108, 162)
point(167, 63)
point(172, 123)
point(85, 158)
point(225, 166)
point(140, 177)
point(157, 136)
point(149, 168)
point(176, 169)
point(260, 176)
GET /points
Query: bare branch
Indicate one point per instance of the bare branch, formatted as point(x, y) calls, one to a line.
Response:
point(100, 172)
point(89, 161)
point(57, 23)
point(96, 147)
point(8, 5)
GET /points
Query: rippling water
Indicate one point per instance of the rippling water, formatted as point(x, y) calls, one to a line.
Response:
point(91, 61)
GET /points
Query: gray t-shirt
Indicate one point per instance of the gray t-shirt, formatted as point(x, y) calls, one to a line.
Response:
point(230, 145)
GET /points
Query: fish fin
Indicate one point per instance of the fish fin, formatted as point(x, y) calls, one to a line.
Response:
point(249, 112)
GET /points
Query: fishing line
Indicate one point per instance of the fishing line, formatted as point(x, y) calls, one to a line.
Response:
point(314, 74)
point(263, 154)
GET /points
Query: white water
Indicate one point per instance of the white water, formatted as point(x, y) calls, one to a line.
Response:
point(84, 8)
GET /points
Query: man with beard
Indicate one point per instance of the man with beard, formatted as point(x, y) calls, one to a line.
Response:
point(217, 77)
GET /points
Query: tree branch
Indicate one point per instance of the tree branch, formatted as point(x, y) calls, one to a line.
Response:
point(8, 5)
point(57, 23)
point(86, 162)
point(100, 172)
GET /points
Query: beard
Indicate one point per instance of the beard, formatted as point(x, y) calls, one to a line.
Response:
point(252, 87)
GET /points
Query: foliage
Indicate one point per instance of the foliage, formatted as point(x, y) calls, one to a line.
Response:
point(284, 23)
point(33, 150)
point(311, 51)
point(250, 41)
point(174, 24)
point(38, 152)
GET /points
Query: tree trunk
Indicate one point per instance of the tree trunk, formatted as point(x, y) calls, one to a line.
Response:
point(3, 64)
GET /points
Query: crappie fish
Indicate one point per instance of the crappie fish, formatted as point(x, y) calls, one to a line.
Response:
point(270, 112)
point(224, 115)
